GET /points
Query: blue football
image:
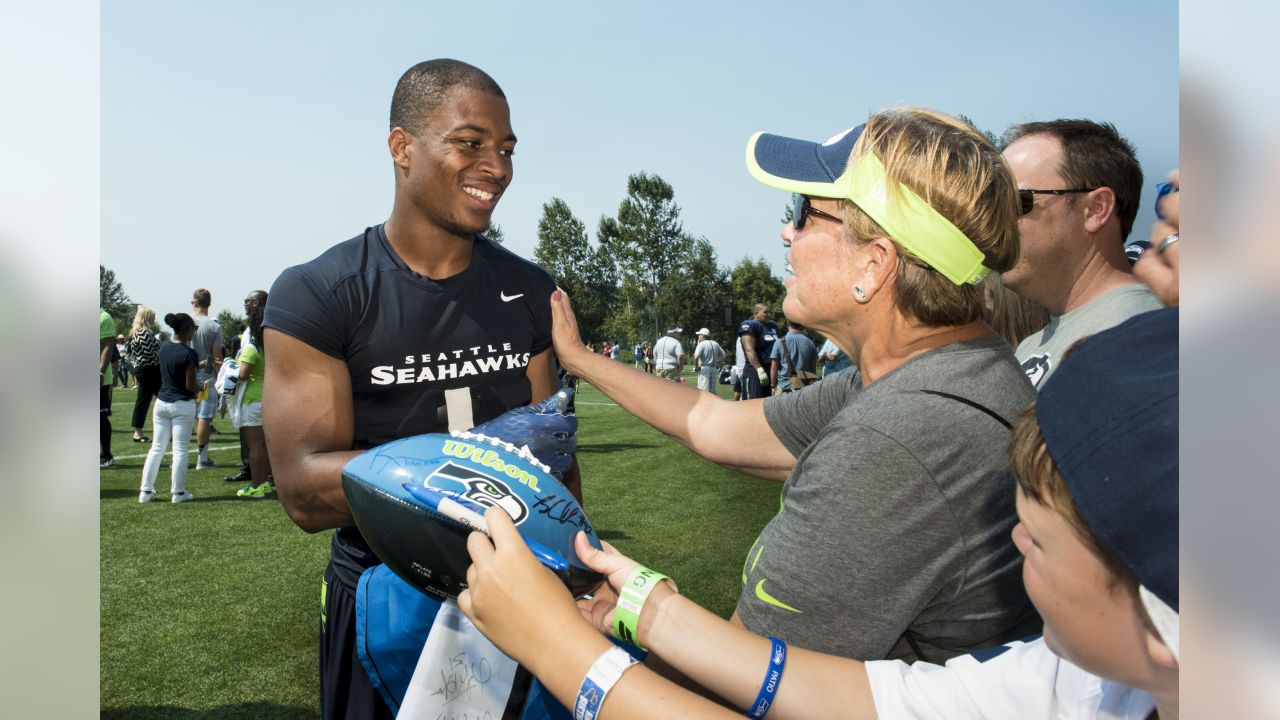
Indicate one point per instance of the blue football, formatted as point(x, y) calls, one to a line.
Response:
point(429, 549)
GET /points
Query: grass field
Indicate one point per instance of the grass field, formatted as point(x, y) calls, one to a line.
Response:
point(210, 609)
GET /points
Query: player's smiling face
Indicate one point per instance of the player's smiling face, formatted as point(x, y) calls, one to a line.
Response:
point(461, 163)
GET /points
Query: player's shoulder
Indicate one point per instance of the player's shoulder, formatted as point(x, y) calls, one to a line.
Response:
point(349, 259)
point(501, 260)
point(345, 256)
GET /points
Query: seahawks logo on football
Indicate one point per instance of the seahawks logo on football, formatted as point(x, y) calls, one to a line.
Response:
point(479, 488)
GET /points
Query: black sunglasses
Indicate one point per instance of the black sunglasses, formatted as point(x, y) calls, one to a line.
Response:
point(801, 209)
point(1028, 197)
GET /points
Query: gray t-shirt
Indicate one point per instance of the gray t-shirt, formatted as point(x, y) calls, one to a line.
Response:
point(709, 354)
point(897, 514)
point(208, 336)
point(804, 356)
point(1041, 353)
point(667, 353)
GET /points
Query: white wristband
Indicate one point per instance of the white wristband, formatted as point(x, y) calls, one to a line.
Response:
point(600, 679)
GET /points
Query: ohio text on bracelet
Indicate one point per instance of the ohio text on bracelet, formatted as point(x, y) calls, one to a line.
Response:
point(772, 678)
point(631, 598)
point(1167, 242)
point(600, 679)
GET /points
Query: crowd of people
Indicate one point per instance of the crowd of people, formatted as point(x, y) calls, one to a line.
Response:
point(990, 362)
point(178, 374)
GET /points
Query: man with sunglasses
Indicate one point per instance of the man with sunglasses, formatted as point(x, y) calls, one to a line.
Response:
point(1079, 186)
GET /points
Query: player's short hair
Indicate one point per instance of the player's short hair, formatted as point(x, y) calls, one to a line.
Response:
point(960, 174)
point(1094, 155)
point(202, 298)
point(424, 86)
point(1038, 476)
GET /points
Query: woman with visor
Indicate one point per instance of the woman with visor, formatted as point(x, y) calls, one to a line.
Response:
point(892, 537)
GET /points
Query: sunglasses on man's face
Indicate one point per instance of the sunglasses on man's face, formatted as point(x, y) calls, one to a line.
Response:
point(1027, 197)
point(801, 208)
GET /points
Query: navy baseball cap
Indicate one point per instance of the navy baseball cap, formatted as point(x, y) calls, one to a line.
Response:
point(830, 170)
point(1109, 417)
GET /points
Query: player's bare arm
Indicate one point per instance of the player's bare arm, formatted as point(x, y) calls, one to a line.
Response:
point(749, 350)
point(714, 428)
point(309, 425)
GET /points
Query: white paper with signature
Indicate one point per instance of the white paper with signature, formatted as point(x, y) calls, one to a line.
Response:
point(460, 674)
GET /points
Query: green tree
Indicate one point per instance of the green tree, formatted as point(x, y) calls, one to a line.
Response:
point(584, 272)
point(647, 241)
point(232, 325)
point(751, 282)
point(696, 293)
point(627, 324)
point(495, 235)
point(113, 299)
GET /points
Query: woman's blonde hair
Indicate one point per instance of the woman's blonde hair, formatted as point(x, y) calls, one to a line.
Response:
point(961, 175)
point(1010, 315)
point(144, 318)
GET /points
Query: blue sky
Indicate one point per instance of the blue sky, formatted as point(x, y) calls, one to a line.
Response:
point(240, 138)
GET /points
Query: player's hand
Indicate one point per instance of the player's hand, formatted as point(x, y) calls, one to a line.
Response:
point(764, 377)
point(546, 428)
point(518, 604)
point(565, 335)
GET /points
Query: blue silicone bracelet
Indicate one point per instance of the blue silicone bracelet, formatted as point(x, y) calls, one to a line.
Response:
point(772, 678)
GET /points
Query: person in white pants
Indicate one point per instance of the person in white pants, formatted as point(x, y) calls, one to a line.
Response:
point(708, 356)
point(175, 411)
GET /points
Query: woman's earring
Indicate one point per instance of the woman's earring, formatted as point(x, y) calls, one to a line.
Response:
point(858, 292)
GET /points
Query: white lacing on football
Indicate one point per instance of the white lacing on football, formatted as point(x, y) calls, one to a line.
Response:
point(524, 453)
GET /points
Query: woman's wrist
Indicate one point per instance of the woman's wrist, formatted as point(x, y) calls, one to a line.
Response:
point(652, 615)
point(575, 647)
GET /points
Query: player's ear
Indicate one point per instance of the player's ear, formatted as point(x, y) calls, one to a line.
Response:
point(398, 144)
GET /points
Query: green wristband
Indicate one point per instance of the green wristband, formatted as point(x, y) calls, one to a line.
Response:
point(631, 598)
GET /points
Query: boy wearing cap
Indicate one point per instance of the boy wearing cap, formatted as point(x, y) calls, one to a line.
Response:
point(1101, 565)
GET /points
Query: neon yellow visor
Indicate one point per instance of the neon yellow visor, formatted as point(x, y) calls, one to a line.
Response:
point(823, 170)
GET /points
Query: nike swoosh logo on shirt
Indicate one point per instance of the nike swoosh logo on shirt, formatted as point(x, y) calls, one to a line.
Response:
point(508, 298)
point(766, 597)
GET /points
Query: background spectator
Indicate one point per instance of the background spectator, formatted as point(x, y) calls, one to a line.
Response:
point(146, 356)
point(708, 356)
point(833, 359)
point(175, 411)
point(793, 354)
